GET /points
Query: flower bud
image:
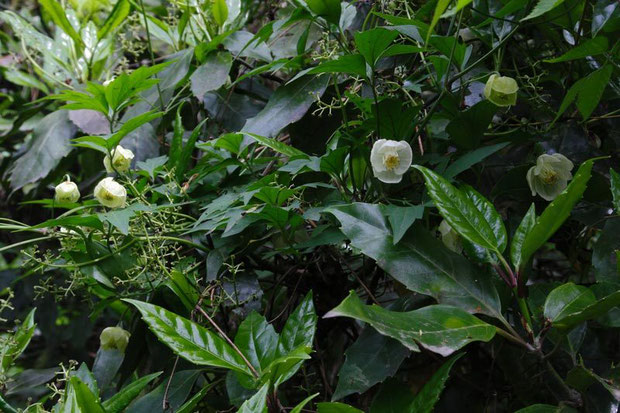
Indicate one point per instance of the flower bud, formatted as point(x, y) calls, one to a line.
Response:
point(501, 90)
point(390, 160)
point(550, 176)
point(66, 192)
point(114, 338)
point(110, 193)
point(450, 237)
point(121, 160)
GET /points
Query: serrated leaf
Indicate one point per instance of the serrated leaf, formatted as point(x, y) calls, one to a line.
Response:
point(473, 220)
point(426, 399)
point(189, 340)
point(257, 403)
point(516, 244)
point(542, 7)
point(590, 47)
point(373, 43)
point(439, 328)
point(276, 145)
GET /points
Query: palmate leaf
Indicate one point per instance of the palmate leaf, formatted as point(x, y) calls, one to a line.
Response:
point(439, 328)
point(189, 340)
point(419, 260)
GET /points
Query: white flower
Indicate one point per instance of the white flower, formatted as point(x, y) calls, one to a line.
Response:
point(110, 193)
point(450, 237)
point(501, 90)
point(114, 338)
point(550, 176)
point(390, 160)
point(66, 192)
point(121, 160)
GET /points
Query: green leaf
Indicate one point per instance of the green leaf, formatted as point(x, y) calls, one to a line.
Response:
point(353, 64)
point(516, 245)
point(474, 219)
point(16, 345)
point(467, 127)
point(439, 328)
point(86, 400)
point(181, 384)
point(440, 8)
point(426, 399)
point(545, 408)
point(190, 405)
point(370, 360)
point(116, 17)
point(591, 47)
point(615, 189)
point(556, 213)
point(220, 12)
point(542, 7)
point(212, 74)
point(50, 143)
point(57, 13)
point(569, 305)
point(122, 399)
point(131, 125)
point(491, 216)
point(373, 43)
point(606, 254)
point(120, 217)
point(288, 104)
point(6, 407)
point(176, 144)
point(402, 218)
point(186, 153)
point(469, 159)
point(300, 406)
point(189, 340)
point(257, 403)
point(329, 9)
point(257, 340)
point(587, 91)
point(276, 145)
point(419, 261)
point(460, 4)
point(335, 407)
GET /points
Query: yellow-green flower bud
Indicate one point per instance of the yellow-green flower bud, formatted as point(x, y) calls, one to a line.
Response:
point(110, 193)
point(450, 237)
point(550, 176)
point(66, 192)
point(390, 160)
point(501, 90)
point(121, 160)
point(114, 338)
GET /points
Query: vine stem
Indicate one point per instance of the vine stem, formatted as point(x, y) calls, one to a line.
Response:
point(228, 340)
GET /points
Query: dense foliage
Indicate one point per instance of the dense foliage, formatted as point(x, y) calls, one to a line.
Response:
point(309, 206)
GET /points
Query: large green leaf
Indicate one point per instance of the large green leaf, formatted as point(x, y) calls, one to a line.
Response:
point(570, 304)
point(86, 400)
point(211, 75)
point(590, 47)
point(257, 339)
point(122, 399)
point(335, 407)
point(439, 328)
point(605, 256)
point(257, 403)
point(189, 340)
point(556, 213)
point(353, 64)
point(14, 347)
point(57, 13)
point(50, 143)
point(615, 189)
point(179, 387)
point(426, 399)
point(473, 217)
point(516, 244)
point(370, 360)
point(587, 92)
point(288, 104)
point(276, 145)
point(329, 9)
point(373, 43)
point(542, 7)
point(419, 261)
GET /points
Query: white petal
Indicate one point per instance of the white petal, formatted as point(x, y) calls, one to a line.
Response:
point(376, 156)
point(389, 177)
point(405, 156)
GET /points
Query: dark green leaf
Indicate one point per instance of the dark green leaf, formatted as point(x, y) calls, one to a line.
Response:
point(257, 340)
point(587, 91)
point(402, 218)
point(212, 74)
point(122, 399)
point(542, 7)
point(373, 43)
point(569, 305)
point(615, 189)
point(190, 340)
point(329, 9)
point(467, 127)
point(474, 219)
point(180, 387)
point(605, 257)
point(516, 245)
point(426, 399)
point(591, 47)
point(86, 400)
point(116, 17)
point(439, 328)
point(353, 64)
point(419, 261)
point(335, 407)
point(276, 145)
point(469, 159)
point(257, 403)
